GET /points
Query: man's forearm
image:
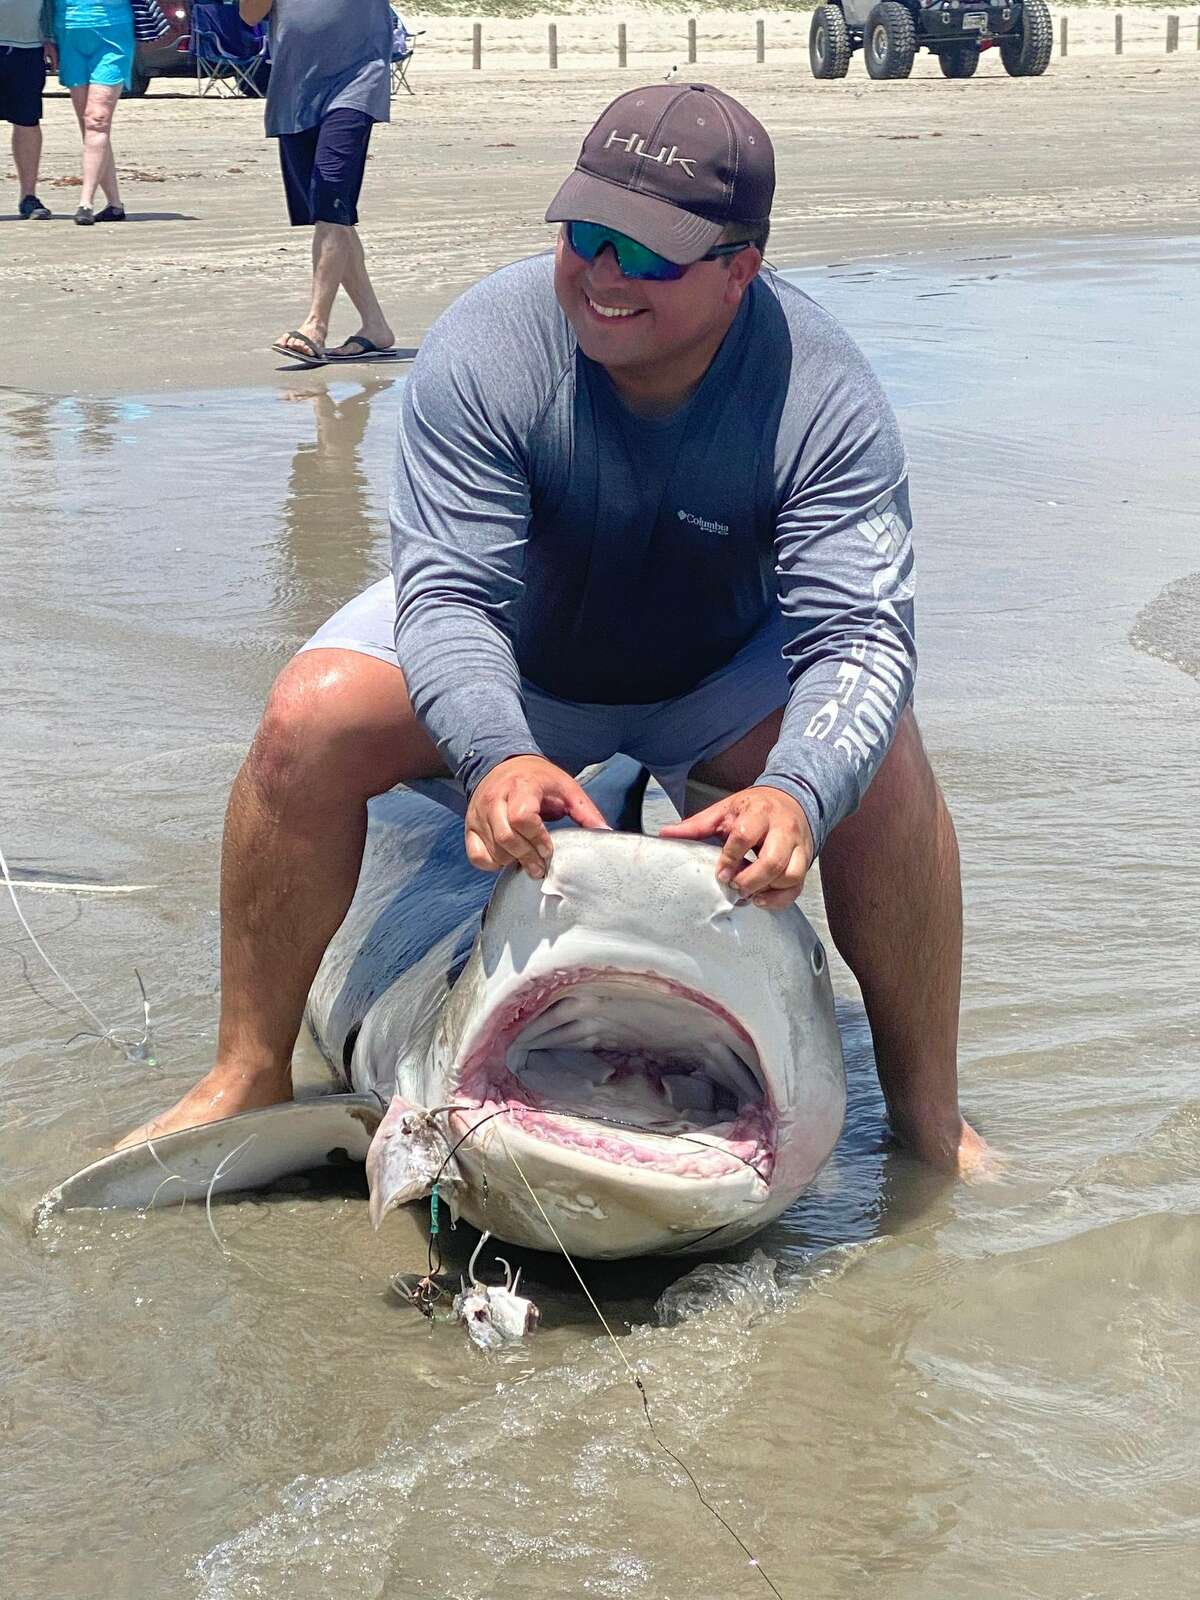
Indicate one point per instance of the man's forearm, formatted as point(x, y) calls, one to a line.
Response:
point(840, 719)
point(253, 11)
point(464, 686)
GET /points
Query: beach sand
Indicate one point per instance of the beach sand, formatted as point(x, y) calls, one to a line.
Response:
point(191, 292)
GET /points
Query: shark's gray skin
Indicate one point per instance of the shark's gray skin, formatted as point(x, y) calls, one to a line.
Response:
point(622, 1060)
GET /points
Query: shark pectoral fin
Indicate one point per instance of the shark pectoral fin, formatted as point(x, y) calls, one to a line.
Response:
point(248, 1151)
point(408, 1155)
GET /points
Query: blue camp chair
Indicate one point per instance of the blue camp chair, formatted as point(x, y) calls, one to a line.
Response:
point(403, 44)
point(230, 55)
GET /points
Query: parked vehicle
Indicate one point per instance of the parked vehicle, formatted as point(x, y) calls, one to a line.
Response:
point(166, 57)
point(890, 33)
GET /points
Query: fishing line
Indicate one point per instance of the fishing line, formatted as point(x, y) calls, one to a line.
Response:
point(639, 1385)
point(134, 1049)
point(634, 1376)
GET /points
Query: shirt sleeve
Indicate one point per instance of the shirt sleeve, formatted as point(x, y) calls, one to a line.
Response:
point(845, 570)
point(460, 509)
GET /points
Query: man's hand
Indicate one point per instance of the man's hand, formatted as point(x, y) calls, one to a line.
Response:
point(505, 824)
point(766, 821)
point(50, 52)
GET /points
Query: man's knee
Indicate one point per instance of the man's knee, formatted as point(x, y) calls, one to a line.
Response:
point(338, 721)
point(97, 122)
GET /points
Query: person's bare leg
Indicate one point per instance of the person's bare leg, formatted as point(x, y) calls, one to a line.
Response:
point(357, 284)
point(95, 112)
point(27, 157)
point(338, 728)
point(330, 255)
point(890, 877)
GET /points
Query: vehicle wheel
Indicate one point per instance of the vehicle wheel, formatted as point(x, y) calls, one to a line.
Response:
point(139, 82)
point(958, 60)
point(890, 41)
point(829, 43)
point(1027, 54)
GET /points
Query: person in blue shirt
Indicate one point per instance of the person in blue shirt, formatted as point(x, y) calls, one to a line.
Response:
point(95, 48)
point(648, 498)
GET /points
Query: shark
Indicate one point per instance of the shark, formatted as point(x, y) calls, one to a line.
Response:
point(619, 1059)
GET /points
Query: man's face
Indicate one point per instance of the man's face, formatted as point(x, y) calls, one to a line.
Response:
point(627, 324)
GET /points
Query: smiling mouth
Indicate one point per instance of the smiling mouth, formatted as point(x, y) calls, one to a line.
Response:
point(611, 313)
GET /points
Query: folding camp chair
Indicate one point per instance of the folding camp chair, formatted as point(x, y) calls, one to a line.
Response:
point(403, 44)
point(229, 54)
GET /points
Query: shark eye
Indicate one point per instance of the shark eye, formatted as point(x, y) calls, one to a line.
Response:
point(818, 959)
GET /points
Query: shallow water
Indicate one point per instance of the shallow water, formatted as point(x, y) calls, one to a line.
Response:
point(955, 1393)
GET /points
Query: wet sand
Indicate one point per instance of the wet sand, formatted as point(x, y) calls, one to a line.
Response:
point(191, 292)
point(958, 1393)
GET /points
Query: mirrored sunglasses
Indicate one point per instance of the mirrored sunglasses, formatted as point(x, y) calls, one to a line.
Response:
point(635, 260)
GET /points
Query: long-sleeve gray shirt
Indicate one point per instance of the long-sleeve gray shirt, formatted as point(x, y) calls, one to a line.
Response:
point(540, 529)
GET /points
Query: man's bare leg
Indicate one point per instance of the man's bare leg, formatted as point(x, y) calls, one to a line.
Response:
point(358, 286)
point(338, 728)
point(27, 156)
point(331, 252)
point(890, 877)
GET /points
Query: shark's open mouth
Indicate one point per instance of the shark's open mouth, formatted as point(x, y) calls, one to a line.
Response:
point(628, 1068)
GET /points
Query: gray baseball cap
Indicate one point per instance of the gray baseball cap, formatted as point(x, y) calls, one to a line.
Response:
point(671, 165)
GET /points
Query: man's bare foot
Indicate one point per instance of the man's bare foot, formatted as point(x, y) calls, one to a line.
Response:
point(956, 1149)
point(363, 344)
point(223, 1092)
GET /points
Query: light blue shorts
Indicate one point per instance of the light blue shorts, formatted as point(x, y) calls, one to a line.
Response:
point(96, 55)
point(667, 736)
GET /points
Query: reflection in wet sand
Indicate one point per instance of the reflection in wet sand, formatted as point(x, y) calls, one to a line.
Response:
point(332, 536)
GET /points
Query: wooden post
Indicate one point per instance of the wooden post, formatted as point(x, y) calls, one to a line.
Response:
point(1062, 36)
point(477, 47)
point(622, 46)
point(1118, 34)
point(760, 42)
point(553, 43)
point(1172, 34)
point(692, 40)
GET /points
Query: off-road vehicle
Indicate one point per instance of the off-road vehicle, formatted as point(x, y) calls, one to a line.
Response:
point(891, 32)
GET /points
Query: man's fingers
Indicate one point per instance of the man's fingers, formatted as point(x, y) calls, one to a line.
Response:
point(704, 824)
point(785, 886)
point(773, 856)
point(525, 818)
point(775, 899)
point(742, 837)
point(580, 807)
point(479, 854)
point(511, 846)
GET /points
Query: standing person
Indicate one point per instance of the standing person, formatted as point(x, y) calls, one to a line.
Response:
point(95, 47)
point(27, 48)
point(330, 83)
point(648, 498)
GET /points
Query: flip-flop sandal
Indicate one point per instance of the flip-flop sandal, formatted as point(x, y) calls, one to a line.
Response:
point(313, 357)
point(367, 351)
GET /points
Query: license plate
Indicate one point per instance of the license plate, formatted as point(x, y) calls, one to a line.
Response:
point(975, 19)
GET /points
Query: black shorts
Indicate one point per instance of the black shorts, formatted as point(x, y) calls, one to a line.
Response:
point(22, 79)
point(323, 168)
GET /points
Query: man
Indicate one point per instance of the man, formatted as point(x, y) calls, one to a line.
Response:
point(330, 83)
point(647, 498)
point(26, 49)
